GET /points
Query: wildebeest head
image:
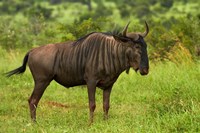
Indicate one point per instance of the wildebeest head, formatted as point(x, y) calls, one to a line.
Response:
point(137, 49)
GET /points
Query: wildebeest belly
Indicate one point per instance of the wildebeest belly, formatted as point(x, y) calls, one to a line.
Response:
point(107, 81)
point(69, 80)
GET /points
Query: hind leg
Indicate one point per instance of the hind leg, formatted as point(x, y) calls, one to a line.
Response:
point(35, 97)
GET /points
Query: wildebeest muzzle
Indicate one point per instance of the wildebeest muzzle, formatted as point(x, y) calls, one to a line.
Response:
point(144, 71)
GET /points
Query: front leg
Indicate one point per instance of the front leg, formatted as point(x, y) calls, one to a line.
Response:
point(106, 101)
point(91, 86)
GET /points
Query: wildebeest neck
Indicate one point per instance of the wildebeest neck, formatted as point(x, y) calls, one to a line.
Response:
point(104, 54)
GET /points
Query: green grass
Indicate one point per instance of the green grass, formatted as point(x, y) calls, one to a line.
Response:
point(167, 100)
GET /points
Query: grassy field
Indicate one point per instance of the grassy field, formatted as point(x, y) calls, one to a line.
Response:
point(167, 100)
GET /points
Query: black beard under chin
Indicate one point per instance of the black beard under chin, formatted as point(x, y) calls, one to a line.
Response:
point(128, 69)
point(136, 70)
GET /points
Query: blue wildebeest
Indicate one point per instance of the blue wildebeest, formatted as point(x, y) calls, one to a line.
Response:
point(96, 60)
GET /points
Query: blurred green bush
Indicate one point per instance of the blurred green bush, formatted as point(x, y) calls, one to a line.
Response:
point(35, 31)
point(175, 38)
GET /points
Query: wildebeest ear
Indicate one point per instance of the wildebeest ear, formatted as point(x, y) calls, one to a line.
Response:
point(121, 38)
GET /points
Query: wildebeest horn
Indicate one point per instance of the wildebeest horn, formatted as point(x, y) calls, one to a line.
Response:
point(125, 29)
point(146, 31)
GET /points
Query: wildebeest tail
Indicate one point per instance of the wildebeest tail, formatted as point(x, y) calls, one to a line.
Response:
point(19, 70)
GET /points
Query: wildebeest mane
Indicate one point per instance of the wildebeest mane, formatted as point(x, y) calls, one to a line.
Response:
point(115, 32)
point(82, 38)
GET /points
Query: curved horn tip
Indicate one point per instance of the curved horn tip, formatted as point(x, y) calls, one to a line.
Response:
point(146, 31)
point(125, 28)
point(147, 26)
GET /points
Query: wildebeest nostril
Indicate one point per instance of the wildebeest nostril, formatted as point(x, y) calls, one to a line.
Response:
point(144, 71)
